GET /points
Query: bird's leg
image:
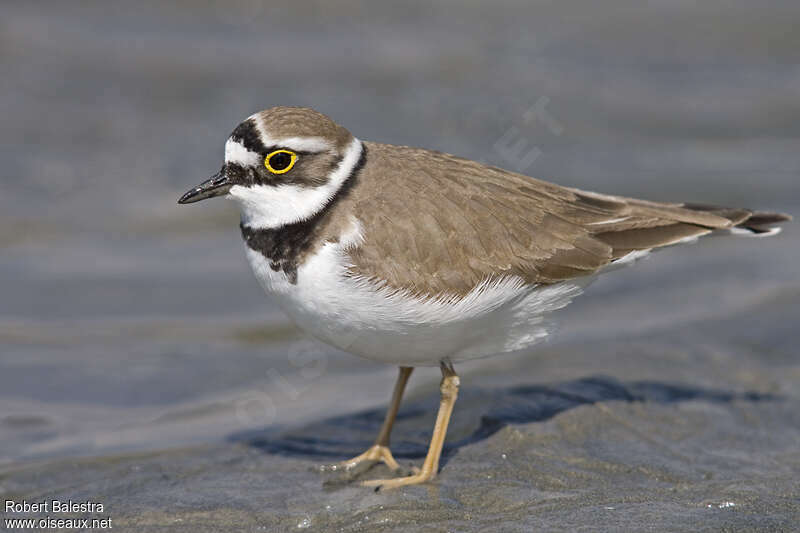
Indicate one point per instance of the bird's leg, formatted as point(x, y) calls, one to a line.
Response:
point(379, 452)
point(449, 391)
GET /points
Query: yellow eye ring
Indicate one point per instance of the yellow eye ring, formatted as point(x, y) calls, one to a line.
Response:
point(277, 162)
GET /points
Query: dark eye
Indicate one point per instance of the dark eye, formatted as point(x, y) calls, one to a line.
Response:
point(280, 161)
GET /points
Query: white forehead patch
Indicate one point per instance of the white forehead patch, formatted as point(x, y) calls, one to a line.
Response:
point(235, 152)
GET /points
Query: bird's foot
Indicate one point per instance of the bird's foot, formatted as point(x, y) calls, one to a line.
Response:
point(365, 461)
point(419, 476)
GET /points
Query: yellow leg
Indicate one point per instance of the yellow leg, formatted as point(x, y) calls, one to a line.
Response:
point(449, 391)
point(379, 452)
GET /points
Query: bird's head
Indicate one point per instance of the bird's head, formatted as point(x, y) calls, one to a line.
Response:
point(282, 165)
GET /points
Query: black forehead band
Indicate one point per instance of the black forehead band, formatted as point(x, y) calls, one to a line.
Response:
point(247, 135)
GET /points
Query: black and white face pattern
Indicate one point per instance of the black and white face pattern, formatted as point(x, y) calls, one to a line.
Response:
point(282, 180)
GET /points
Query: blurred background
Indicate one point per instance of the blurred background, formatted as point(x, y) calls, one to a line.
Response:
point(130, 323)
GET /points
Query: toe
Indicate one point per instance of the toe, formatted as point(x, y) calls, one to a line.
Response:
point(355, 470)
point(392, 483)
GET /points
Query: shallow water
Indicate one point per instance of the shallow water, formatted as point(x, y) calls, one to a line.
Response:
point(129, 324)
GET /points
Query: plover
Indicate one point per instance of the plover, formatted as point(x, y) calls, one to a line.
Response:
point(419, 258)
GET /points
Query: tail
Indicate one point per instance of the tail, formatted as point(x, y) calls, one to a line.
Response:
point(637, 225)
point(746, 222)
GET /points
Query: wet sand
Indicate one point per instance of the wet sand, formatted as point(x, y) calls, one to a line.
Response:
point(141, 367)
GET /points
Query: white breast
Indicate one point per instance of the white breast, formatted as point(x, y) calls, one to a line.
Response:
point(361, 317)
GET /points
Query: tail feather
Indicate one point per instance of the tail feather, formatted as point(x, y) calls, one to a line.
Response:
point(651, 225)
point(746, 222)
point(764, 222)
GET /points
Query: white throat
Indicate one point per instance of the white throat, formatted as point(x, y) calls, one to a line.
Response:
point(269, 207)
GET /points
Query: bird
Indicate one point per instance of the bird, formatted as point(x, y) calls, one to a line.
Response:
point(415, 257)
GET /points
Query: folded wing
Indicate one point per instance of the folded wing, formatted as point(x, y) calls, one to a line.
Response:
point(449, 223)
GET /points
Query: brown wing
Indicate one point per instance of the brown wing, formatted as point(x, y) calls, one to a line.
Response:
point(436, 223)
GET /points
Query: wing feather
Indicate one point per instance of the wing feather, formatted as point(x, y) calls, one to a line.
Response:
point(441, 224)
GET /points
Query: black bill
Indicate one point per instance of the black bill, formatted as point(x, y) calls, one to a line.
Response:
point(217, 185)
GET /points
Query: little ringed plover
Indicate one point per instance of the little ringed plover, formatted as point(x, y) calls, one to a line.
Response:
point(419, 258)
